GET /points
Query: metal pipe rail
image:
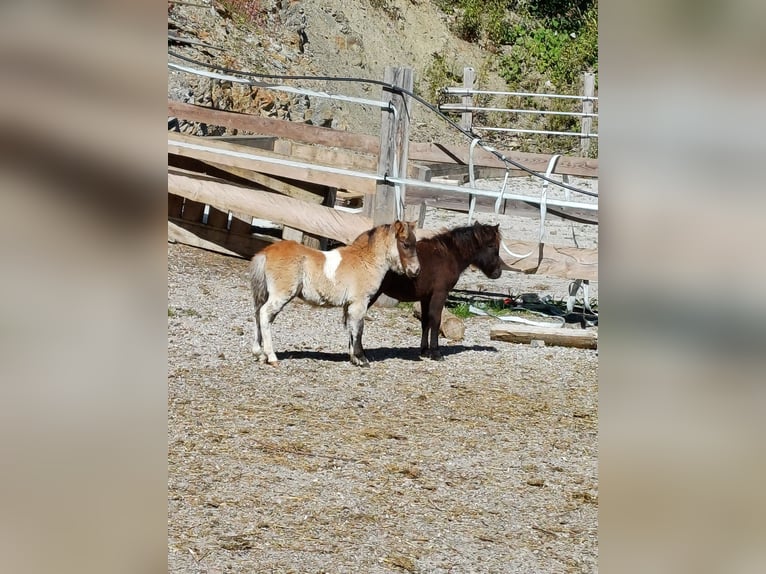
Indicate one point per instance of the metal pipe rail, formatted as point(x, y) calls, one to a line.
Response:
point(461, 91)
point(463, 108)
point(385, 179)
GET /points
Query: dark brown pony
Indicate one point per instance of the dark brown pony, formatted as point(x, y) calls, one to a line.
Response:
point(443, 258)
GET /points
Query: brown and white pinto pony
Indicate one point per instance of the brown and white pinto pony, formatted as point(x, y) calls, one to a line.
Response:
point(346, 276)
point(443, 258)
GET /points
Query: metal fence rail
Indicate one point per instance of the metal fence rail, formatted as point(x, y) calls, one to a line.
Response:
point(466, 108)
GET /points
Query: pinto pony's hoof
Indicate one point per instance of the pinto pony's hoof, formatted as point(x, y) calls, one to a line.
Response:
point(360, 362)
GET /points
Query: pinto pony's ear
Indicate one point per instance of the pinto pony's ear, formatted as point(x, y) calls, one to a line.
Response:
point(400, 228)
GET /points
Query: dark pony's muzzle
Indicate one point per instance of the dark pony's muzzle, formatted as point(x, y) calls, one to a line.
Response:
point(412, 271)
point(496, 273)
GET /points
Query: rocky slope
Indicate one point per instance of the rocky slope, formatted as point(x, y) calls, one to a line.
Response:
point(346, 38)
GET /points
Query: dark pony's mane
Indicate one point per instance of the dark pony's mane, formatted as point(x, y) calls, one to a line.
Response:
point(464, 240)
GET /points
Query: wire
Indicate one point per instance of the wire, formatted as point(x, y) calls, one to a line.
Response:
point(396, 89)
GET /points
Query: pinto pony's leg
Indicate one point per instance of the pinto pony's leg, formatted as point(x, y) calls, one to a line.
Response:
point(354, 316)
point(268, 313)
point(257, 338)
point(260, 295)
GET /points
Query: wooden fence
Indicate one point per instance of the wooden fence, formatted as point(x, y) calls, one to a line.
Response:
point(297, 174)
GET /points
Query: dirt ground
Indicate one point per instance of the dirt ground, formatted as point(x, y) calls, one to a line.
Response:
point(485, 462)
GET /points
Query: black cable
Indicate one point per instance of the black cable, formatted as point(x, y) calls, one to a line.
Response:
point(396, 89)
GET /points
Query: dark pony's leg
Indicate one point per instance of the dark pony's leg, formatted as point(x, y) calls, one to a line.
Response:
point(354, 317)
point(425, 325)
point(434, 322)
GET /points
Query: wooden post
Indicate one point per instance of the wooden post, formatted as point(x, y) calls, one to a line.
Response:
point(589, 90)
point(394, 145)
point(466, 118)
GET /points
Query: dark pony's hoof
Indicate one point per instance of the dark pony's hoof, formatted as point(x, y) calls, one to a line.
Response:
point(434, 355)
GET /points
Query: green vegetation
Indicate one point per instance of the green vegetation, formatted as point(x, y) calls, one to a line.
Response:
point(535, 46)
point(439, 73)
point(461, 311)
point(246, 11)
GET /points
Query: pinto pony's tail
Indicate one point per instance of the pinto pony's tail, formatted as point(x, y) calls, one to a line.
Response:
point(257, 273)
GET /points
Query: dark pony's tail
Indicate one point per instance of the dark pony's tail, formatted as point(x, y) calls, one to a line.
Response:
point(257, 273)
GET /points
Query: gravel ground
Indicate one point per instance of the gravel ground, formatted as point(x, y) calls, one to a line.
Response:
point(484, 462)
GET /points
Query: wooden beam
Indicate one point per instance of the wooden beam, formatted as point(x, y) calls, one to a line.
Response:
point(251, 162)
point(280, 128)
point(558, 336)
point(394, 141)
point(316, 219)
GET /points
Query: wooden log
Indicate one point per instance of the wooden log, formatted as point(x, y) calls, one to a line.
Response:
point(451, 327)
point(316, 219)
point(583, 338)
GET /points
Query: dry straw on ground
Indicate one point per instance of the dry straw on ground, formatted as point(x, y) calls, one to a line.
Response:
point(485, 462)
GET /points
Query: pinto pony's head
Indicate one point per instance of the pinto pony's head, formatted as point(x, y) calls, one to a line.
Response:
point(407, 262)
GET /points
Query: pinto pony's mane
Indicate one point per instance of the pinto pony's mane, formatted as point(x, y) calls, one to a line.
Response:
point(370, 236)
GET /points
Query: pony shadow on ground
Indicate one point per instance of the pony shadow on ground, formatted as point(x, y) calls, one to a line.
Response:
point(381, 354)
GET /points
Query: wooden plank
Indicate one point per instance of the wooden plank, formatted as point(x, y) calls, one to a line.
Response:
point(175, 205)
point(310, 192)
point(442, 153)
point(280, 128)
point(558, 336)
point(193, 211)
point(218, 240)
point(315, 219)
point(551, 260)
point(217, 218)
point(240, 223)
point(327, 156)
point(359, 184)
